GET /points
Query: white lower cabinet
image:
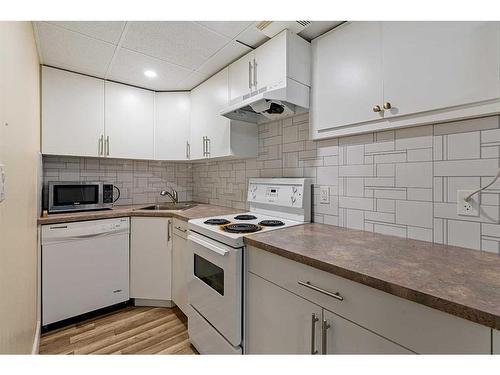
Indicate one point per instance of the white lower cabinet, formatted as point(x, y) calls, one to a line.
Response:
point(496, 342)
point(280, 322)
point(340, 336)
point(151, 259)
point(180, 265)
point(366, 320)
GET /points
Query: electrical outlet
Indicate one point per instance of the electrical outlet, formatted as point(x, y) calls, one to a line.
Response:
point(467, 208)
point(324, 194)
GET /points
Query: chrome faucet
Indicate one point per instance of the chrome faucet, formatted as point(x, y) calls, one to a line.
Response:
point(174, 196)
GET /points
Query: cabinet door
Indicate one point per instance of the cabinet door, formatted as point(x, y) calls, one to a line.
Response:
point(241, 77)
point(279, 322)
point(172, 125)
point(270, 62)
point(343, 337)
point(207, 100)
point(150, 258)
point(129, 122)
point(180, 273)
point(433, 65)
point(347, 79)
point(72, 113)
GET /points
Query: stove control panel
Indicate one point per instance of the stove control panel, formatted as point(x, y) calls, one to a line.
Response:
point(288, 195)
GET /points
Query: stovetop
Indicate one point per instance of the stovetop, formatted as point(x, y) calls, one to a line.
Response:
point(231, 229)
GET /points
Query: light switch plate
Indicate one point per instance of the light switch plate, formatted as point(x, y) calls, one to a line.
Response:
point(2, 182)
point(324, 194)
point(467, 208)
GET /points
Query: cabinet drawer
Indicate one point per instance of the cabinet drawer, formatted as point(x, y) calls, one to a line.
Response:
point(414, 326)
point(180, 228)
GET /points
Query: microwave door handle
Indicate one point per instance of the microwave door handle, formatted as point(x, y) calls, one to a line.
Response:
point(208, 245)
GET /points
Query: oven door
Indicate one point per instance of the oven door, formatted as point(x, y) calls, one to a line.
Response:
point(215, 290)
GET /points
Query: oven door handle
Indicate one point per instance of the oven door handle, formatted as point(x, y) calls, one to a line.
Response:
point(208, 245)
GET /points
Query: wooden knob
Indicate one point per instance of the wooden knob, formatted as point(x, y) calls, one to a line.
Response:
point(387, 105)
point(376, 108)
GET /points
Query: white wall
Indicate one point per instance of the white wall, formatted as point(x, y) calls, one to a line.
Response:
point(19, 147)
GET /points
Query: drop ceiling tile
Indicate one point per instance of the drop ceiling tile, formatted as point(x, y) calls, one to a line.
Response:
point(227, 28)
point(193, 80)
point(224, 57)
point(183, 43)
point(108, 31)
point(252, 37)
point(318, 28)
point(129, 67)
point(70, 50)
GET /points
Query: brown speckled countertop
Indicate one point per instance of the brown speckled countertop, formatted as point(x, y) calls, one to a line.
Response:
point(198, 211)
point(459, 281)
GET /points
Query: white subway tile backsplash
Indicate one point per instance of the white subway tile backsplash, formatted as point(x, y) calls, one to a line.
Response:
point(481, 167)
point(414, 174)
point(464, 233)
point(414, 213)
point(464, 146)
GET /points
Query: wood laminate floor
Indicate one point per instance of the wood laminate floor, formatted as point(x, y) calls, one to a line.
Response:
point(131, 330)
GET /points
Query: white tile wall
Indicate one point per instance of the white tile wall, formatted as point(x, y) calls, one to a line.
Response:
point(399, 182)
point(139, 181)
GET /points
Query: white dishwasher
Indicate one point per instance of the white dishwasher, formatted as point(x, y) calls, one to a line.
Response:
point(85, 267)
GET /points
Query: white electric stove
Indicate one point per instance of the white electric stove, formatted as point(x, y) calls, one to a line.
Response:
point(217, 246)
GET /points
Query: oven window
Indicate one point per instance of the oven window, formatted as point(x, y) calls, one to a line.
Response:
point(67, 195)
point(209, 273)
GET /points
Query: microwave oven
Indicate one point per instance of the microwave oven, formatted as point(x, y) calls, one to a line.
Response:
point(79, 196)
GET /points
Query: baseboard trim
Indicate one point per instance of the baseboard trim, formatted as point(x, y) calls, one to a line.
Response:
point(36, 340)
point(153, 302)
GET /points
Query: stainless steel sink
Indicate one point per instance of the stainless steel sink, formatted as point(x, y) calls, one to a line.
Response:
point(169, 206)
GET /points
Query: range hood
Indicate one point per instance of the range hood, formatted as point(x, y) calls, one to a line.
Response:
point(270, 103)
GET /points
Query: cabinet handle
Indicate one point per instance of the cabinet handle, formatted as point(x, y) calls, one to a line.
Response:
point(324, 328)
point(255, 74)
point(182, 230)
point(107, 145)
point(204, 150)
point(101, 145)
point(314, 319)
point(168, 230)
point(376, 108)
point(188, 150)
point(208, 146)
point(308, 284)
point(250, 75)
point(387, 105)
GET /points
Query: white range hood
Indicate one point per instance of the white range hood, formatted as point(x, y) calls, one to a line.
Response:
point(270, 103)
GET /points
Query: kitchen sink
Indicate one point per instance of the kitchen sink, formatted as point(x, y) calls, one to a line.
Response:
point(169, 206)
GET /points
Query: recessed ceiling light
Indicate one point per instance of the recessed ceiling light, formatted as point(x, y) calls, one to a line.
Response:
point(150, 74)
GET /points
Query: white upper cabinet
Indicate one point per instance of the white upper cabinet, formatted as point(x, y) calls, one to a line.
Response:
point(129, 122)
point(241, 77)
point(72, 113)
point(213, 135)
point(286, 55)
point(414, 72)
point(347, 79)
point(433, 65)
point(172, 110)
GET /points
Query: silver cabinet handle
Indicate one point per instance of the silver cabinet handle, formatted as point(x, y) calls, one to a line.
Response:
point(208, 146)
point(308, 284)
point(181, 229)
point(168, 230)
point(255, 74)
point(101, 146)
point(204, 146)
point(314, 319)
point(250, 75)
point(107, 145)
point(188, 150)
point(324, 328)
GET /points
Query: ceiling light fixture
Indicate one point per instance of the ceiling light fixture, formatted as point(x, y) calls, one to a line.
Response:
point(150, 74)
